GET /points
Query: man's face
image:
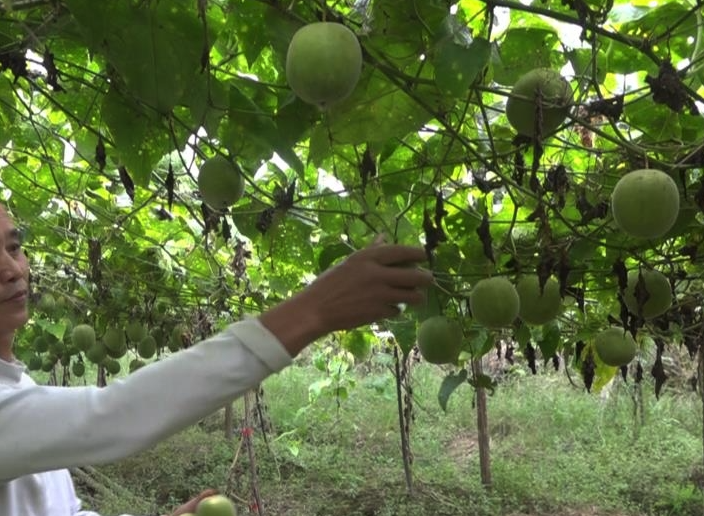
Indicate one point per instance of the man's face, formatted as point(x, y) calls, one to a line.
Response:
point(14, 277)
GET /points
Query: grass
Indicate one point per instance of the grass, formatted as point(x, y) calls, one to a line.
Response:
point(555, 450)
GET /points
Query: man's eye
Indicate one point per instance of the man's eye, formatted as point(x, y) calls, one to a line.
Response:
point(14, 248)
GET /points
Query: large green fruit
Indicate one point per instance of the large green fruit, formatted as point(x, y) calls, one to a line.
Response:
point(83, 336)
point(659, 293)
point(543, 87)
point(536, 307)
point(114, 339)
point(35, 363)
point(216, 505)
point(494, 302)
point(97, 353)
point(440, 340)
point(147, 347)
point(136, 331)
point(323, 63)
point(47, 303)
point(615, 346)
point(645, 203)
point(220, 182)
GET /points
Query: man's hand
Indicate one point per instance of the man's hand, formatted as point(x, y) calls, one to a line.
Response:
point(190, 506)
point(366, 287)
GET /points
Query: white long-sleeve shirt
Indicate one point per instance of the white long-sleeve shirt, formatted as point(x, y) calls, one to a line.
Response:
point(44, 429)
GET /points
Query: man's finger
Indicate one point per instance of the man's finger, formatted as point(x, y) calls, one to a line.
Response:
point(391, 254)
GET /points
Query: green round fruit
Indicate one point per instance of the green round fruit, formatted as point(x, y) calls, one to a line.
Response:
point(47, 303)
point(136, 364)
point(220, 182)
point(615, 346)
point(216, 505)
point(323, 63)
point(176, 341)
point(440, 340)
point(536, 307)
point(112, 366)
point(83, 336)
point(494, 302)
point(48, 362)
point(35, 363)
point(78, 369)
point(136, 331)
point(40, 344)
point(645, 203)
point(555, 98)
point(117, 352)
point(65, 360)
point(659, 293)
point(114, 339)
point(147, 347)
point(97, 353)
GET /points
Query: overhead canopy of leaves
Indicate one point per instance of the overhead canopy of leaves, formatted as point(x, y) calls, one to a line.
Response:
point(108, 108)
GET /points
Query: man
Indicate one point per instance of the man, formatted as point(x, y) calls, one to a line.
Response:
point(44, 429)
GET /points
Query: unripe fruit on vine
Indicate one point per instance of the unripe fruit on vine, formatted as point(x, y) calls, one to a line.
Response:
point(494, 302)
point(659, 293)
point(147, 347)
point(35, 363)
point(440, 340)
point(536, 307)
point(114, 339)
point(112, 366)
point(645, 203)
point(83, 336)
point(216, 505)
point(136, 331)
point(615, 346)
point(540, 87)
point(96, 353)
point(136, 364)
point(323, 63)
point(78, 369)
point(47, 303)
point(220, 182)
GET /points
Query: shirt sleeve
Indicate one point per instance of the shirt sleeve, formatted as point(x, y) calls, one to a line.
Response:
point(44, 428)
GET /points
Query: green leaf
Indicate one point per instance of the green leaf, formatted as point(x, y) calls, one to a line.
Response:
point(404, 331)
point(521, 50)
point(140, 140)
point(331, 253)
point(457, 66)
point(449, 385)
point(8, 111)
point(551, 339)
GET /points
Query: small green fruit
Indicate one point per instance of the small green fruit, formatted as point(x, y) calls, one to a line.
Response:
point(220, 182)
point(135, 331)
point(216, 505)
point(494, 302)
point(540, 87)
point(440, 340)
point(136, 364)
point(83, 336)
point(112, 366)
point(323, 63)
point(615, 346)
point(114, 339)
point(659, 293)
point(78, 369)
point(147, 347)
point(536, 307)
point(97, 353)
point(645, 203)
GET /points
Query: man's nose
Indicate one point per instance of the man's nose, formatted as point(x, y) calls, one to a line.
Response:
point(10, 269)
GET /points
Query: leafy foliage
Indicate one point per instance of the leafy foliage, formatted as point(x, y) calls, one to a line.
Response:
point(107, 109)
